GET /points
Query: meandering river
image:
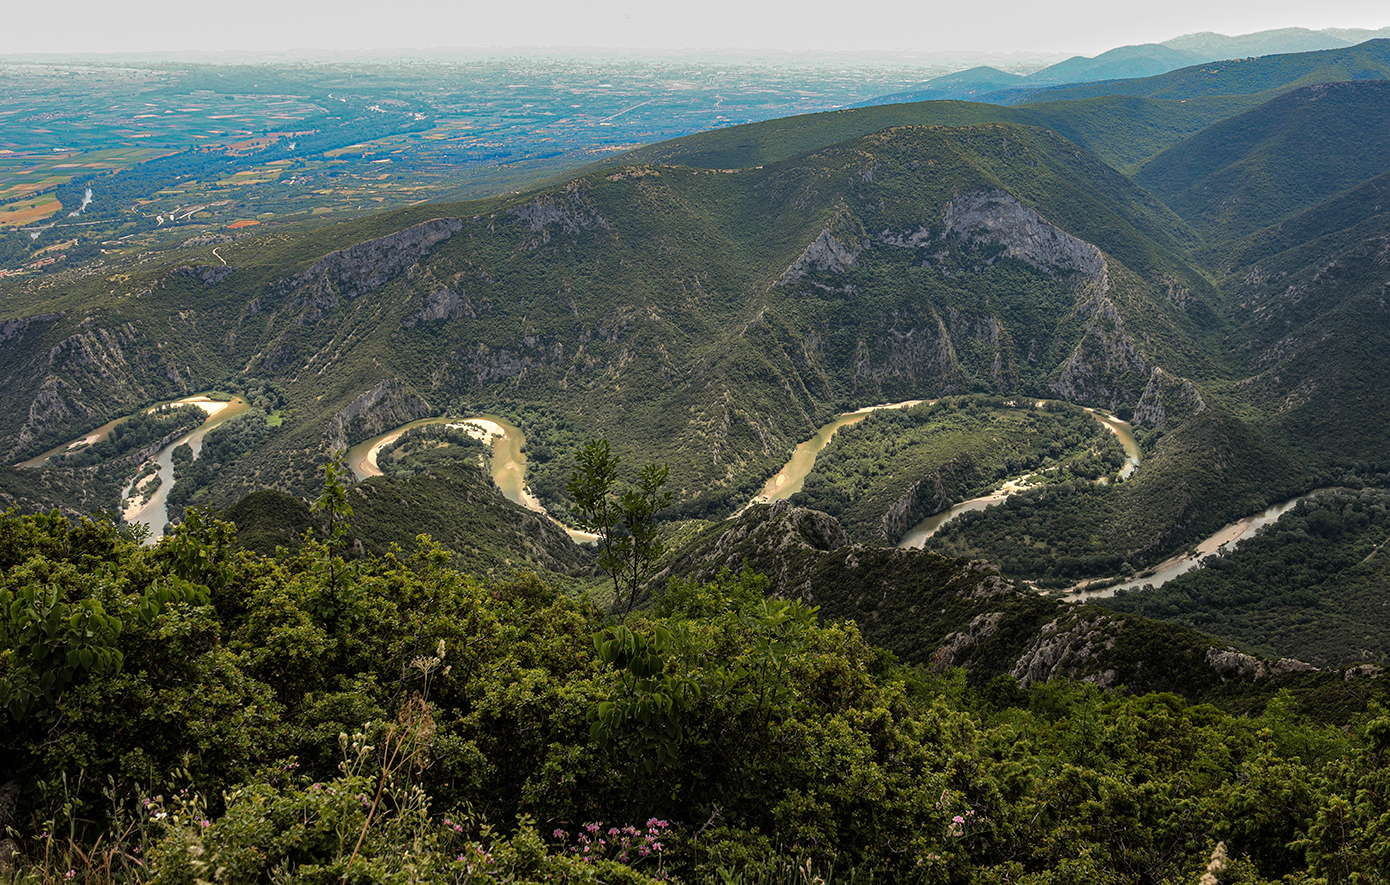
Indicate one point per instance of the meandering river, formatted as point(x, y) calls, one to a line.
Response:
point(154, 513)
point(508, 465)
point(1227, 537)
point(790, 479)
point(508, 469)
point(917, 536)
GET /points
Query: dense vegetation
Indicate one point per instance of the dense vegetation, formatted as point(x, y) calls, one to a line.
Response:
point(309, 718)
point(143, 430)
point(1209, 471)
point(417, 449)
point(933, 455)
point(353, 705)
point(1310, 586)
point(1248, 172)
point(220, 448)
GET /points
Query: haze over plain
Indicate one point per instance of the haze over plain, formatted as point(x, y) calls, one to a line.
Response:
point(1073, 26)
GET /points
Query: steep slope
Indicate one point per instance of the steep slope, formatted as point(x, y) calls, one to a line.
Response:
point(1311, 586)
point(1332, 217)
point(929, 609)
point(1252, 170)
point(1315, 333)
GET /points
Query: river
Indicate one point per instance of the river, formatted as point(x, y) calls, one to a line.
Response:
point(917, 536)
point(508, 465)
point(790, 479)
point(1227, 537)
point(154, 513)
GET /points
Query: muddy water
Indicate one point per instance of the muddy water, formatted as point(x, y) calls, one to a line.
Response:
point(918, 534)
point(508, 464)
point(1125, 432)
point(1226, 538)
point(790, 479)
point(101, 433)
point(154, 513)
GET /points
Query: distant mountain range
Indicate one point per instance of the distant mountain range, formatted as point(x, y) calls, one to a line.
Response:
point(1127, 62)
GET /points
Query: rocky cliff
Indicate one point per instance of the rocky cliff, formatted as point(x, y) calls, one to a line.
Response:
point(385, 406)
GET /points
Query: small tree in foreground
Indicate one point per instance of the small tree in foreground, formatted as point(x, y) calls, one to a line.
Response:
point(625, 522)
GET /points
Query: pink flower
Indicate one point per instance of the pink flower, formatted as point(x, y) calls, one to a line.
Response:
point(958, 819)
point(558, 834)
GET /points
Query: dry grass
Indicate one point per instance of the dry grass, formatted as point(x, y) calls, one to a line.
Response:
point(24, 213)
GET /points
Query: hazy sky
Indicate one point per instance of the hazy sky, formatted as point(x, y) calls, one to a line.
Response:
point(1079, 26)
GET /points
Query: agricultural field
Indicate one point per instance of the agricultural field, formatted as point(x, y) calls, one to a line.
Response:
point(117, 156)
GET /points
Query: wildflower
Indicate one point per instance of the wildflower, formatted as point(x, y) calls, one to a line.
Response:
point(558, 834)
point(206, 823)
point(958, 819)
point(70, 874)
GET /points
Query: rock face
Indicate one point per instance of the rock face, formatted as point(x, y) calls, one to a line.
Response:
point(929, 495)
point(440, 305)
point(997, 218)
point(567, 213)
point(1167, 398)
point(79, 379)
point(208, 274)
point(1070, 650)
point(1231, 664)
point(826, 253)
point(387, 405)
point(1106, 368)
point(782, 529)
point(357, 269)
point(13, 330)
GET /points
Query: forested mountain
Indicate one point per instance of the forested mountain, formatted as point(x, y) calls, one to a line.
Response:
point(725, 315)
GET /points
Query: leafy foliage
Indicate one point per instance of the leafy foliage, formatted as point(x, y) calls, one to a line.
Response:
point(895, 467)
point(1309, 586)
point(423, 726)
point(625, 521)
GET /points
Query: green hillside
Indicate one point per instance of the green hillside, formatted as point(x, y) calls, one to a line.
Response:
point(720, 316)
point(1312, 586)
point(390, 718)
point(1121, 130)
point(1262, 77)
point(887, 473)
point(1204, 472)
point(1337, 216)
point(1250, 171)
